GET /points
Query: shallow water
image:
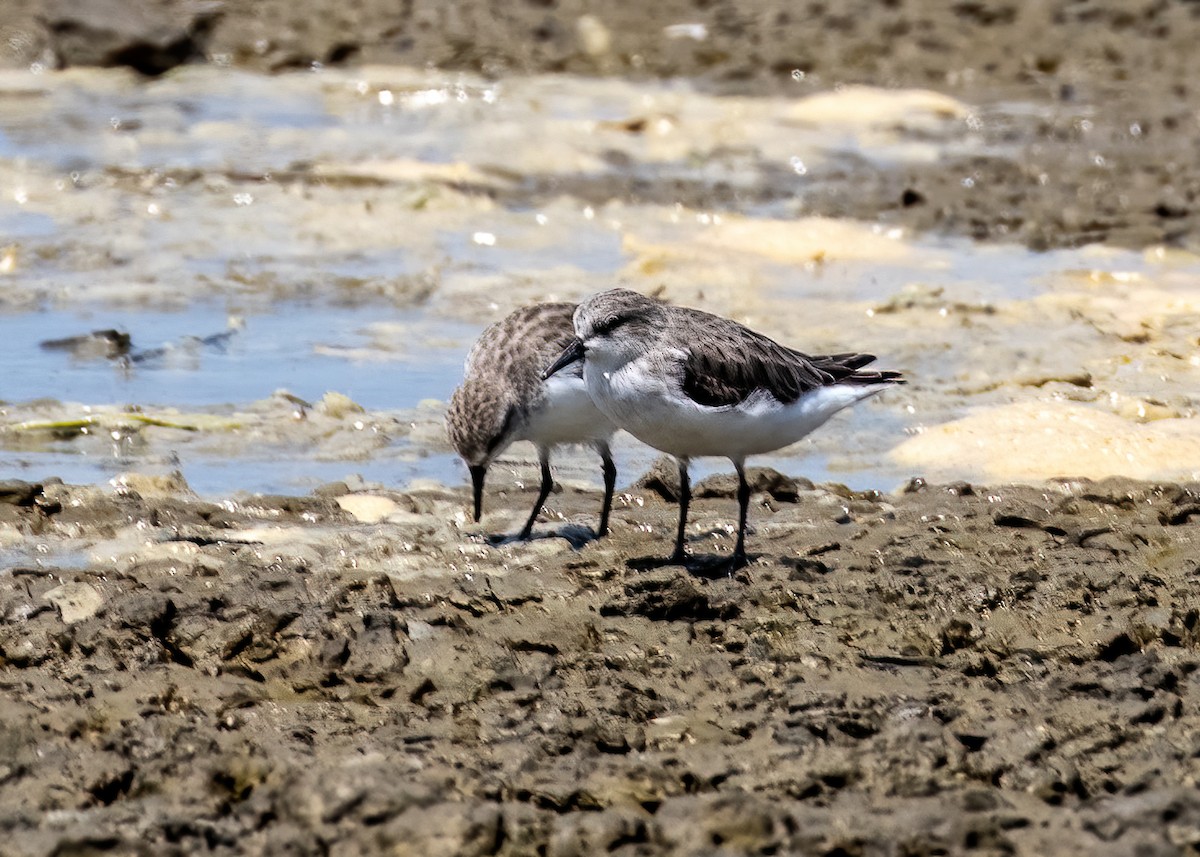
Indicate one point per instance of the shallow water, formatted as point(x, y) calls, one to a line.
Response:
point(354, 231)
point(303, 347)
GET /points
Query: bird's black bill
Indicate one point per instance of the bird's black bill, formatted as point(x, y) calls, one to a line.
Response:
point(477, 474)
point(571, 354)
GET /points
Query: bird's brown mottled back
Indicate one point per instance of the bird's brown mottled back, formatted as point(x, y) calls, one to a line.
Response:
point(548, 325)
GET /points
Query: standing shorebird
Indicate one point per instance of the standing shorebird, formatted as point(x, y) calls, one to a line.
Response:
point(693, 384)
point(504, 398)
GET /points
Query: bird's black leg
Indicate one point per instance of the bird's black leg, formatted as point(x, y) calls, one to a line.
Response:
point(739, 552)
point(547, 484)
point(685, 496)
point(610, 480)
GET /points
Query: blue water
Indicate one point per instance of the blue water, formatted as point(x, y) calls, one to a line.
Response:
point(271, 352)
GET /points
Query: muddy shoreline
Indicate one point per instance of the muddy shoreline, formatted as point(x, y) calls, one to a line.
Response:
point(948, 668)
point(992, 670)
point(1103, 164)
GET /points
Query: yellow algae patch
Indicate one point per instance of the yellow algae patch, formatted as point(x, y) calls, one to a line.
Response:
point(1128, 307)
point(120, 420)
point(368, 508)
point(1141, 304)
point(872, 106)
point(152, 484)
point(1044, 440)
point(337, 405)
point(811, 240)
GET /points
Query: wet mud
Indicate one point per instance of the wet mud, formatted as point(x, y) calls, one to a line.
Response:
point(944, 668)
point(947, 669)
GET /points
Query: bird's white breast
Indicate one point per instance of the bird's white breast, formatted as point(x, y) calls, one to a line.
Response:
point(565, 413)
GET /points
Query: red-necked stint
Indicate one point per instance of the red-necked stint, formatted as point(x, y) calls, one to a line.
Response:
point(504, 398)
point(692, 384)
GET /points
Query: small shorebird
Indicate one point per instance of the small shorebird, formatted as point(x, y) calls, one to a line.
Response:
point(504, 398)
point(693, 384)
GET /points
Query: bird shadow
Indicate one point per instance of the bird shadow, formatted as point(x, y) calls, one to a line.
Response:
point(576, 535)
point(707, 566)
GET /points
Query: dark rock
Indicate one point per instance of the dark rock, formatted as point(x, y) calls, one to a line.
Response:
point(466, 829)
point(958, 634)
point(146, 36)
point(14, 492)
point(662, 479)
point(1181, 513)
point(322, 505)
point(331, 489)
point(972, 742)
point(762, 480)
point(1020, 514)
point(915, 485)
point(805, 569)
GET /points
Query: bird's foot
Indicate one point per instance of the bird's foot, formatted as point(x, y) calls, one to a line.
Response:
point(577, 536)
point(738, 563)
point(500, 539)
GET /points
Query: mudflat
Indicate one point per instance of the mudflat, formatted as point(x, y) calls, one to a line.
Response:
point(941, 668)
point(947, 669)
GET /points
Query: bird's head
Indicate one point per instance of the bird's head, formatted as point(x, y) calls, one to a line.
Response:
point(616, 324)
point(481, 422)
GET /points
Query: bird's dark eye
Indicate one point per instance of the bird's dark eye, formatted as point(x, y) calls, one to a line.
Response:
point(608, 325)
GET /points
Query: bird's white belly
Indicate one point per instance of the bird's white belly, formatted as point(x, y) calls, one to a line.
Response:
point(566, 414)
point(653, 408)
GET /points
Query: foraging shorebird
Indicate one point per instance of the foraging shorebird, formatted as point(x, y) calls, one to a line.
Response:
point(504, 398)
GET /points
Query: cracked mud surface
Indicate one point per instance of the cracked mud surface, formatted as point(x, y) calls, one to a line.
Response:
point(1001, 670)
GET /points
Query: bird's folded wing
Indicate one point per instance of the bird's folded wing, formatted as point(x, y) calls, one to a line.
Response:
point(724, 367)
